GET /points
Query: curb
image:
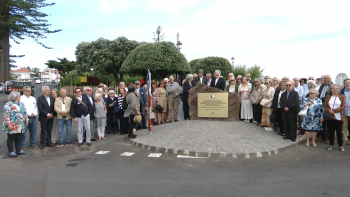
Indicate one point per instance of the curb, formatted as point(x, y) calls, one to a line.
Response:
point(212, 154)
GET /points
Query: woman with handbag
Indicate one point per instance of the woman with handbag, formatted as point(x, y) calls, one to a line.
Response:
point(246, 103)
point(276, 108)
point(256, 95)
point(133, 108)
point(334, 106)
point(266, 103)
point(112, 118)
point(162, 101)
point(312, 110)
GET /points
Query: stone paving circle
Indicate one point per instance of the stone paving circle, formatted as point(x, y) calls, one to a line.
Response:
point(216, 139)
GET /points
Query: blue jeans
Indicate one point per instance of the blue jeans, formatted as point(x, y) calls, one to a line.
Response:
point(32, 131)
point(61, 123)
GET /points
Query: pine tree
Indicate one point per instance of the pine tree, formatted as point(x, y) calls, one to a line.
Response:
point(20, 19)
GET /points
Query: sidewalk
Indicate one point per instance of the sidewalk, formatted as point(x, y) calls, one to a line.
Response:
point(212, 139)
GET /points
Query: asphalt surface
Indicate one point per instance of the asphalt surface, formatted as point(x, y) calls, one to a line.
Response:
point(298, 171)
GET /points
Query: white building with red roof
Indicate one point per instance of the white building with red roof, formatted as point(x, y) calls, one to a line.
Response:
point(50, 75)
point(22, 74)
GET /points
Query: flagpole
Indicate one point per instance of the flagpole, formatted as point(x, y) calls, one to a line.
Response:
point(149, 101)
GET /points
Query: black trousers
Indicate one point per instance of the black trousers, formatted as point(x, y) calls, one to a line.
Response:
point(132, 124)
point(290, 124)
point(46, 129)
point(257, 111)
point(14, 138)
point(324, 133)
point(143, 113)
point(112, 127)
point(280, 120)
point(186, 109)
point(335, 126)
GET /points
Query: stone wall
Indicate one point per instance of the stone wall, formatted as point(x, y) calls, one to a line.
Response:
point(233, 103)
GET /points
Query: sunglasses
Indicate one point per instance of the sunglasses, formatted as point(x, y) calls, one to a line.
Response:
point(88, 90)
point(137, 84)
point(248, 76)
point(77, 91)
point(288, 85)
point(111, 93)
point(232, 80)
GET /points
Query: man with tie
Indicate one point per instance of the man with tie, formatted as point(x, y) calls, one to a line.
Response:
point(88, 96)
point(46, 111)
point(217, 81)
point(201, 78)
point(289, 104)
point(173, 90)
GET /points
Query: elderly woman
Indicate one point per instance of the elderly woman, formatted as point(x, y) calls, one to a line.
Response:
point(335, 105)
point(187, 86)
point(266, 107)
point(246, 103)
point(112, 124)
point(232, 87)
point(122, 120)
point(314, 118)
point(54, 134)
point(154, 99)
point(255, 97)
point(100, 116)
point(276, 108)
point(162, 99)
point(133, 102)
point(15, 123)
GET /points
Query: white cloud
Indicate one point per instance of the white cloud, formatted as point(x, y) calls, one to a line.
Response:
point(109, 6)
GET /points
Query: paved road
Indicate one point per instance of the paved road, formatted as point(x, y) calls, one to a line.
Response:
point(299, 171)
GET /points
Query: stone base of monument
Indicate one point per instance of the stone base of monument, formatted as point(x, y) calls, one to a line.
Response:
point(215, 139)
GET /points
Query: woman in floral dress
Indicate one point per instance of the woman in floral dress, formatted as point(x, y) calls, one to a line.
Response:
point(246, 103)
point(15, 123)
point(314, 118)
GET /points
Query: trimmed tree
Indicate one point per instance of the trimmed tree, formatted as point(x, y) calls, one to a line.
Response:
point(210, 64)
point(161, 58)
point(63, 66)
point(104, 56)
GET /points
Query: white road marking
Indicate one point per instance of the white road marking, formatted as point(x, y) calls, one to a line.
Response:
point(127, 154)
point(155, 155)
point(190, 157)
point(102, 152)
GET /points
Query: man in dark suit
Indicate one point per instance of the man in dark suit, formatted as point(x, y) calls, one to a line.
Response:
point(217, 81)
point(201, 78)
point(323, 91)
point(46, 105)
point(87, 96)
point(143, 100)
point(289, 104)
point(79, 109)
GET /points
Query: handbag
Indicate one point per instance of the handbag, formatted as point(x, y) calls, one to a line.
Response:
point(327, 115)
point(303, 112)
point(159, 109)
point(137, 118)
point(273, 118)
point(152, 115)
point(264, 101)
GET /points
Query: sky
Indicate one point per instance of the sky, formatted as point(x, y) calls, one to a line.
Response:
point(298, 38)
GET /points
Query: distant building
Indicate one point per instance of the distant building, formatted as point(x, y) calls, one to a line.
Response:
point(50, 75)
point(22, 74)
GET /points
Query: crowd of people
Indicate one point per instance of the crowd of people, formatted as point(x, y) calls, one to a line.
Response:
point(323, 108)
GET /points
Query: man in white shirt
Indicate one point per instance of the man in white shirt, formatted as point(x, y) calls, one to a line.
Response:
point(32, 111)
point(88, 94)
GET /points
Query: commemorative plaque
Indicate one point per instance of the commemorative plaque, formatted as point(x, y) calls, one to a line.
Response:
point(213, 105)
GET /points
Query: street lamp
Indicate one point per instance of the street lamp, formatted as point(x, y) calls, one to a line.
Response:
point(232, 60)
point(179, 45)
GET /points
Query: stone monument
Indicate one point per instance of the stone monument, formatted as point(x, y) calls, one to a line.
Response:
point(233, 103)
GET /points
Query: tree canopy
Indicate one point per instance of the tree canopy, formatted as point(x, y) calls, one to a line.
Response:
point(210, 64)
point(255, 71)
point(104, 56)
point(63, 66)
point(161, 58)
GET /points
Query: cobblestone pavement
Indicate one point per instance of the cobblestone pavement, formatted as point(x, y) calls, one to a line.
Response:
point(212, 139)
